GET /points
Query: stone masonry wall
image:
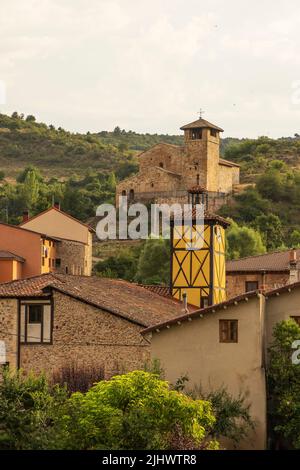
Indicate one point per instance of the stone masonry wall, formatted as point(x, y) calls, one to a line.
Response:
point(75, 258)
point(9, 329)
point(88, 336)
point(236, 282)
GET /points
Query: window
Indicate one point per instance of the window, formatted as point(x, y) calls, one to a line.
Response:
point(204, 302)
point(297, 319)
point(58, 263)
point(213, 133)
point(67, 270)
point(35, 313)
point(228, 331)
point(36, 323)
point(196, 134)
point(161, 165)
point(124, 192)
point(250, 286)
point(198, 179)
point(131, 195)
point(43, 261)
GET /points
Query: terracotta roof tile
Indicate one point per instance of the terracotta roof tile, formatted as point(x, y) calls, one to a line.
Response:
point(201, 123)
point(122, 298)
point(276, 261)
point(203, 311)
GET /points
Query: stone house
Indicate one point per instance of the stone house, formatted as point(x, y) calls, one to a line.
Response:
point(227, 345)
point(167, 171)
point(74, 239)
point(265, 272)
point(49, 321)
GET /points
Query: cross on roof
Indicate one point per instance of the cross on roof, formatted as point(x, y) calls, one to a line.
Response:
point(201, 112)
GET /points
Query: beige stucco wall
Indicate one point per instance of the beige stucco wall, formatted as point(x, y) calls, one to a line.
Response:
point(89, 336)
point(56, 224)
point(193, 348)
point(279, 308)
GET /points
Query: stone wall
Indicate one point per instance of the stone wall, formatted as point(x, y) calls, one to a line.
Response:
point(236, 282)
point(9, 329)
point(88, 336)
point(76, 258)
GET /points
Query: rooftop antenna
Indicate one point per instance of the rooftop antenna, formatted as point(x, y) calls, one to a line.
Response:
point(201, 112)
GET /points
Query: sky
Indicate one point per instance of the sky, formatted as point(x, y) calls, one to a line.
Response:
point(150, 66)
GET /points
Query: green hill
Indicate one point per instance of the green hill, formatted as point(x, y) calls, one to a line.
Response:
point(59, 153)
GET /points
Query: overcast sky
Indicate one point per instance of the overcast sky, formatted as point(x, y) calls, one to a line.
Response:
point(150, 66)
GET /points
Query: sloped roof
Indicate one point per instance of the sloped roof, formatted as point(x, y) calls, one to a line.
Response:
point(194, 213)
point(9, 255)
point(228, 163)
point(201, 123)
point(118, 297)
point(61, 212)
point(201, 312)
point(276, 261)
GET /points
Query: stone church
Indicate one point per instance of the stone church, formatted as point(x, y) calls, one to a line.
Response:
point(167, 171)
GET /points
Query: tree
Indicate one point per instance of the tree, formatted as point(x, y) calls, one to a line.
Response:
point(30, 189)
point(136, 411)
point(30, 412)
point(295, 238)
point(30, 118)
point(154, 262)
point(271, 185)
point(271, 229)
point(243, 241)
point(284, 384)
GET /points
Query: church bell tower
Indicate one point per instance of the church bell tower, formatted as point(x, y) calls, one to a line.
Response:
point(198, 254)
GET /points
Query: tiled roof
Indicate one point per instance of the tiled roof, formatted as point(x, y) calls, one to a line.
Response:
point(276, 261)
point(119, 297)
point(194, 213)
point(58, 210)
point(201, 123)
point(164, 291)
point(9, 255)
point(200, 312)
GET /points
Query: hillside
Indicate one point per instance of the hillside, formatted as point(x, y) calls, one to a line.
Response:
point(59, 153)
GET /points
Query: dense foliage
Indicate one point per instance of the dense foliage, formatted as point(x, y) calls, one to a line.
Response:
point(58, 152)
point(284, 386)
point(255, 155)
point(78, 196)
point(133, 411)
point(272, 207)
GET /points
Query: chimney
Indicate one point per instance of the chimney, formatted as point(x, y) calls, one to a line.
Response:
point(293, 266)
point(57, 205)
point(25, 215)
point(184, 302)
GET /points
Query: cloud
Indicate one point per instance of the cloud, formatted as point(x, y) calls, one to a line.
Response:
point(151, 66)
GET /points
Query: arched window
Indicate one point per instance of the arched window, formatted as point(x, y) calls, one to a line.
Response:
point(131, 195)
point(124, 192)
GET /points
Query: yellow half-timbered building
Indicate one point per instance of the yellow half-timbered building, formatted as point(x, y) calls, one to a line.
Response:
point(198, 254)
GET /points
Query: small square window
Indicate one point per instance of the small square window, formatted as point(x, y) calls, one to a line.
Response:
point(35, 314)
point(228, 331)
point(250, 286)
point(213, 132)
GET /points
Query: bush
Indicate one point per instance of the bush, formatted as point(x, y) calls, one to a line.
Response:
point(30, 412)
point(137, 411)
